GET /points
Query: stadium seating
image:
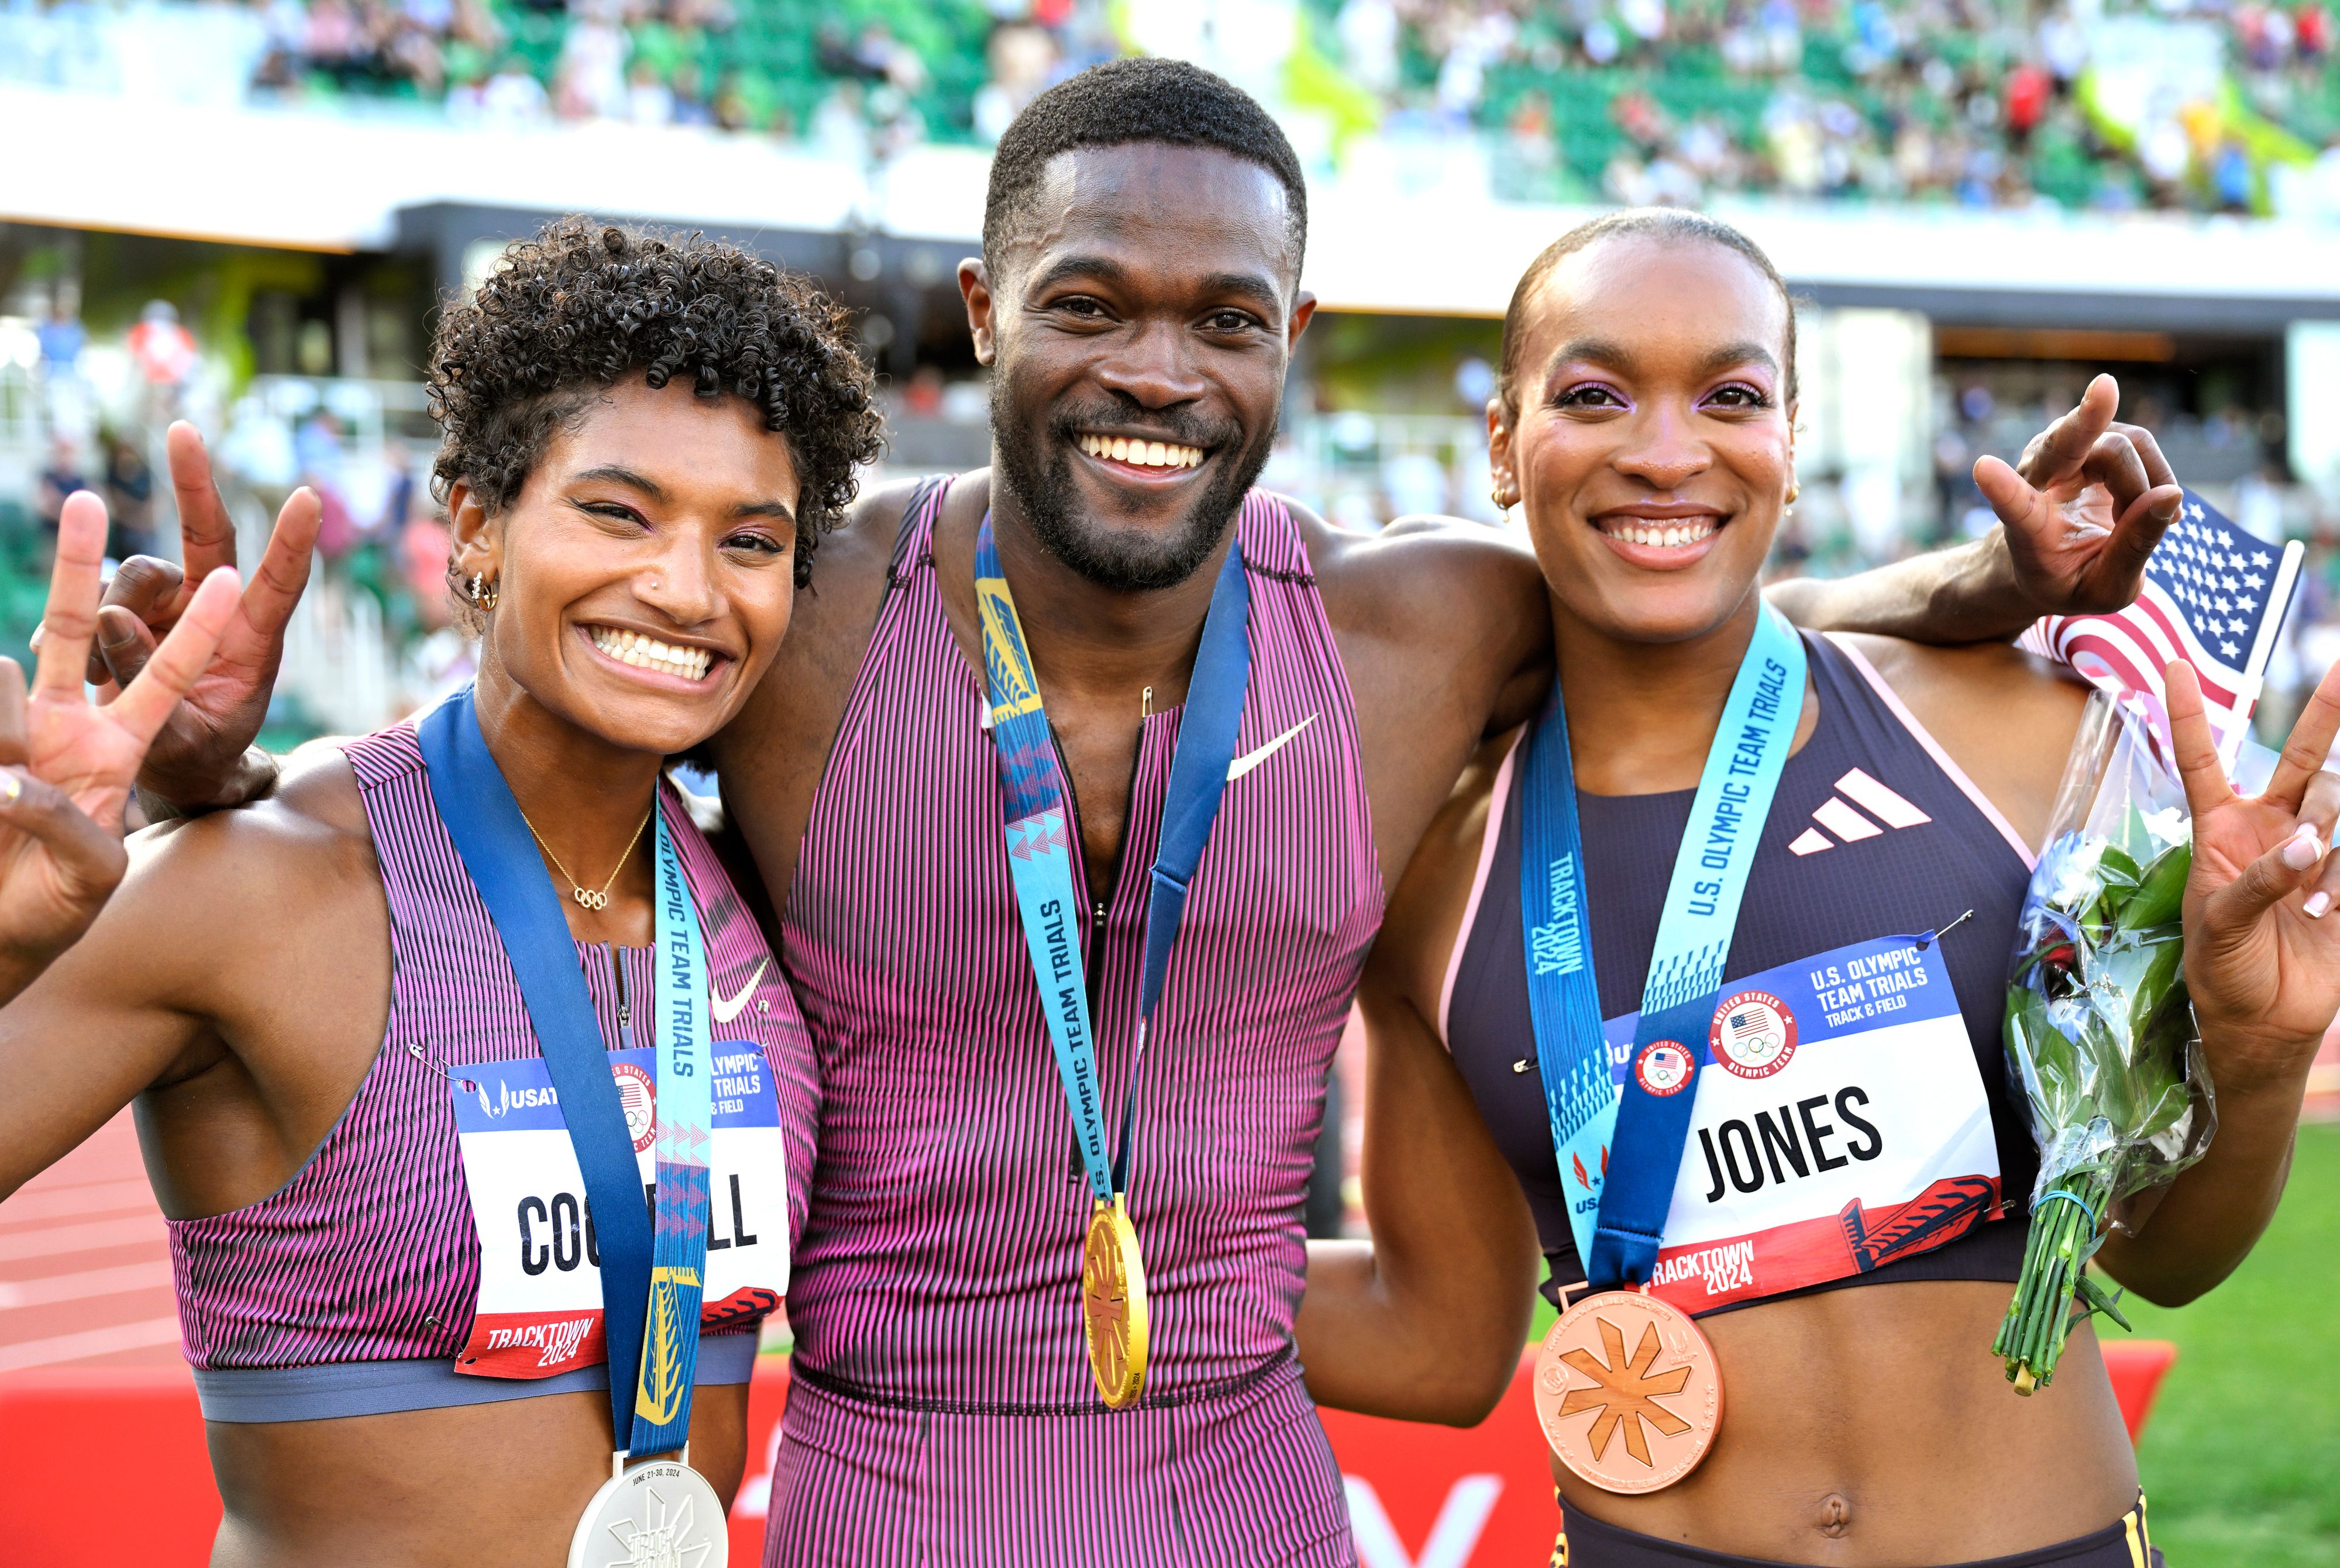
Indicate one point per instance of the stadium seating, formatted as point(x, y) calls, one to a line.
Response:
point(1996, 104)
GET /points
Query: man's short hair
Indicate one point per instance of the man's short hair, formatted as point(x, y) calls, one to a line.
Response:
point(1128, 102)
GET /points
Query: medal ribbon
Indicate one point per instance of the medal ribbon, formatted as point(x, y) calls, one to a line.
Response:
point(1618, 1215)
point(651, 1276)
point(686, 1107)
point(1039, 833)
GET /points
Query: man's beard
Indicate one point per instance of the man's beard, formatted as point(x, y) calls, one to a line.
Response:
point(1040, 475)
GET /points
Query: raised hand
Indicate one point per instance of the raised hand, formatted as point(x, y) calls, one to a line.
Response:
point(2262, 955)
point(2084, 506)
point(70, 765)
point(198, 758)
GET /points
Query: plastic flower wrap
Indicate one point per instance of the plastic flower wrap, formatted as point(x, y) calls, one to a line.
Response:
point(2100, 1036)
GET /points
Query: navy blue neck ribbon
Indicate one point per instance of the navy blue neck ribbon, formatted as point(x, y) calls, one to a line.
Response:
point(1619, 1146)
point(476, 805)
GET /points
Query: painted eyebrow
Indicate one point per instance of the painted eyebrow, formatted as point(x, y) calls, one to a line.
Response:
point(1596, 350)
point(1615, 355)
point(618, 474)
point(1745, 353)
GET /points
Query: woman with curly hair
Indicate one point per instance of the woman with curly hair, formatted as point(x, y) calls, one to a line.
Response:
point(412, 1041)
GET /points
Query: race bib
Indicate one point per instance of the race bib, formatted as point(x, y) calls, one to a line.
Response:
point(1840, 1123)
point(540, 1306)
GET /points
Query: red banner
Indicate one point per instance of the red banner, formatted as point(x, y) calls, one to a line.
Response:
point(115, 1460)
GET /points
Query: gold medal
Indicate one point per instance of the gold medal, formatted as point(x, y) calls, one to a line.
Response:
point(1113, 1304)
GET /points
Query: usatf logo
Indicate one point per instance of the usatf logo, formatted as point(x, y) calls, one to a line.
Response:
point(1584, 1177)
point(1017, 688)
point(1558, 947)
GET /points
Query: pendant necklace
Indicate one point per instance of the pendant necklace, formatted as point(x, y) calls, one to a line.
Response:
point(587, 897)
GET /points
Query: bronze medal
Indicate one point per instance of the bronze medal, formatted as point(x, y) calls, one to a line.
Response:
point(1628, 1390)
point(1113, 1305)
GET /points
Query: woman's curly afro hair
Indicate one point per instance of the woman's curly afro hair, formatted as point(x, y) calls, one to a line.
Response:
point(583, 305)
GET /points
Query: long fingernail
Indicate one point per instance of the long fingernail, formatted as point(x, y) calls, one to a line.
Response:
point(2303, 849)
point(2317, 903)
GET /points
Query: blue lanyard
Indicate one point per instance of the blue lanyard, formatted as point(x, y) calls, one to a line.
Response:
point(651, 1273)
point(1619, 1147)
point(1039, 831)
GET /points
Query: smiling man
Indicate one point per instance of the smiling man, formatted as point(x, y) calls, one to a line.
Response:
point(1138, 301)
point(1049, 1297)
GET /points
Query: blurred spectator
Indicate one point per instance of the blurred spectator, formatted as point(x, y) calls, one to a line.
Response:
point(60, 337)
point(60, 477)
point(1023, 60)
point(129, 498)
point(165, 354)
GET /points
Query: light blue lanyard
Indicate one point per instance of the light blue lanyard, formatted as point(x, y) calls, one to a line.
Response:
point(1619, 1148)
point(1039, 832)
point(686, 1106)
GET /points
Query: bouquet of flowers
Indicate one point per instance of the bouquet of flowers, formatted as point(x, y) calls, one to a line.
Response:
point(2100, 1035)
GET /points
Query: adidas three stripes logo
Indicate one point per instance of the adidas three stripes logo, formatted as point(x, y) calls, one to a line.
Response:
point(1848, 824)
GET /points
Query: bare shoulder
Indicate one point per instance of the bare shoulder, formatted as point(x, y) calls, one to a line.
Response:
point(2006, 717)
point(312, 832)
point(1424, 918)
point(849, 568)
point(256, 901)
point(1416, 569)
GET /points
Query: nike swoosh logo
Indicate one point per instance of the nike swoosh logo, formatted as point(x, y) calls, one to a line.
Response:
point(727, 1008)
point(1244, 764)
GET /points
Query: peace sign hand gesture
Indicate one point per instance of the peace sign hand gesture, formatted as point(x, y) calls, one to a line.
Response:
point(61, 802)
point(2262, 955)
point(2084, 506)
point(198, 759)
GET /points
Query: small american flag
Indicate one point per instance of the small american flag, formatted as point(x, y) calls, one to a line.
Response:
point(2214, 595)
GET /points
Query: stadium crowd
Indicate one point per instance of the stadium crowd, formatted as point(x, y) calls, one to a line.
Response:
point(1670, 101)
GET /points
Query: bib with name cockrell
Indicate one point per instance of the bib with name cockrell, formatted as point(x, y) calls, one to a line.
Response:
point(540, 1304)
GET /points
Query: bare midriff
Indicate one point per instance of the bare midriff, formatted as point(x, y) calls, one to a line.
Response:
point(1873, 1425)
point(455, 1488)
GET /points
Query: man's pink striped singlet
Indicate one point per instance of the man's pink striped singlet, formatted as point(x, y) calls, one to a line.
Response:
point(349, 1290)
point(942, 1409)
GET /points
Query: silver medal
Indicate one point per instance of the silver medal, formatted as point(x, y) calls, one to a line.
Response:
point(662, 1514)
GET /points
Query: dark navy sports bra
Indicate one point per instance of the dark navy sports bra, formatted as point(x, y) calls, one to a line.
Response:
point(1875, 832)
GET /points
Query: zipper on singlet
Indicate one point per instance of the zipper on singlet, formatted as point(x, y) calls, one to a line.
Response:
point(625, 1011)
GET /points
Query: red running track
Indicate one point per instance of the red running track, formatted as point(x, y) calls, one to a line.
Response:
point(85, 1263)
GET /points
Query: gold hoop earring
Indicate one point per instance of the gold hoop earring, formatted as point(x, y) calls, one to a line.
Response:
point(1496, 496)
point(1795, 488)
point(481, 593)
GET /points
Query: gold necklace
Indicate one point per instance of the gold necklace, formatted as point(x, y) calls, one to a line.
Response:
point(592, 898)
